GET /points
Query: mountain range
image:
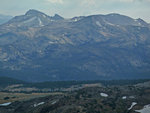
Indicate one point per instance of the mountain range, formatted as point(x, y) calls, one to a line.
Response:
point(37, 47)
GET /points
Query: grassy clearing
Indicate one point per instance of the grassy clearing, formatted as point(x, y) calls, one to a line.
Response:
point(11, 97)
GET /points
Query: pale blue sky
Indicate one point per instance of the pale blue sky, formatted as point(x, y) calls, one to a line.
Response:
point(71, 8)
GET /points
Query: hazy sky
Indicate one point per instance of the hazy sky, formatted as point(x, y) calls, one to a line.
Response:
point(70, 8)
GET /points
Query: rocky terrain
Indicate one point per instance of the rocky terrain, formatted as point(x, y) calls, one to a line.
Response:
point(90, 99)
point(37, 47)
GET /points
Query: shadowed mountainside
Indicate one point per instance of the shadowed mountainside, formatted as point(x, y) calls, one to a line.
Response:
point(38, 47)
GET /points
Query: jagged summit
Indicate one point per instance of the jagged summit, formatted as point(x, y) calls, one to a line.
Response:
point(35, 18)
point(32, 18)
point(57, 17)
point(33, 12)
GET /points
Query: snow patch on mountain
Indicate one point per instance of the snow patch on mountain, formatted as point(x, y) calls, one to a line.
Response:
point(40, 22)
point(146, 109)
point(44, 16)
point(29, 20)
point(124, 97)
point(133, 104)
point(104, 94)
point(41, 103)
point(5, 104)
point(98, 23)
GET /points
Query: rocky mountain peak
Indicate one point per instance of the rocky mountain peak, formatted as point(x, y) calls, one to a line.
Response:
point(34, 12)
point(142, 22)
point(32, 18)
point(57, 17)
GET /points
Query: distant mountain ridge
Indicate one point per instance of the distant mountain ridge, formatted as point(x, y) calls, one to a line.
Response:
point(38, 47)
point(33, 18)
point(4, 18)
